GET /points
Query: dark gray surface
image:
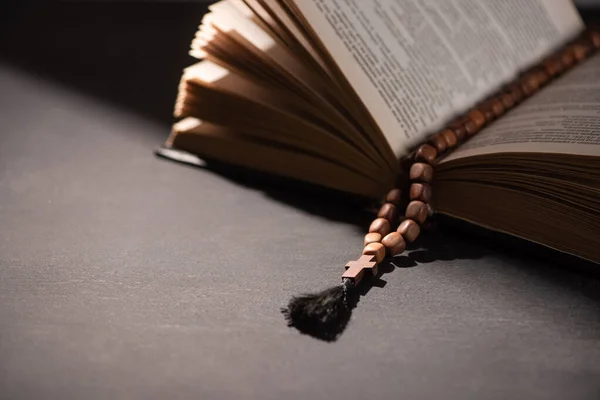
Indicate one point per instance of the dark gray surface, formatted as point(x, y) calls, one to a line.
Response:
point(126, 276)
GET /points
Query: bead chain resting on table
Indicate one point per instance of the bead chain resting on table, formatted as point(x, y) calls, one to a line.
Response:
point(325, 314)
point(381, 240)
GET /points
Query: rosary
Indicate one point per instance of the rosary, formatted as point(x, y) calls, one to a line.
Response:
point(324, 315)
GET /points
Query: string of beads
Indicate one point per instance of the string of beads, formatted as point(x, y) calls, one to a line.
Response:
point(382, 239)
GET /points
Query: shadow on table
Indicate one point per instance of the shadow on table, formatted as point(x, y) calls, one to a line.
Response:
point(566, 273)
point(454, 239)
point(128, 54)
point(458, 240)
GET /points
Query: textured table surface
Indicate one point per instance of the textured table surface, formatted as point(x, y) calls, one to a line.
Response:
point(126, 276)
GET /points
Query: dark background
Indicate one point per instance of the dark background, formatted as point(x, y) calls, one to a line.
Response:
point(123, 275)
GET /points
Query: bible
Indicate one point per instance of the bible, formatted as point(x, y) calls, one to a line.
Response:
point(344, 93)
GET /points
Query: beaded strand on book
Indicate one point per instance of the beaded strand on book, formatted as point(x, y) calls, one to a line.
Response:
point(325, 314)
point(421, 171)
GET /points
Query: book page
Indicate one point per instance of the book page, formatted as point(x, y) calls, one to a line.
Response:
point(417, 63)
point(562, 118)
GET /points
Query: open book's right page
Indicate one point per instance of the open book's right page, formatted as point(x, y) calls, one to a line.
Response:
point(417, 63)
point(562, 118)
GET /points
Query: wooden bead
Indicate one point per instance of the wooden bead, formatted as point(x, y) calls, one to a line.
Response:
point(439, 143)
point(420, 191)
point(486, 109)
point(477, 117)
point(417, 211)
point(372, 237)
point(381, 226)
point(581, 51)
point(409, 230)
point(426, 153)
point(532, 79)
point(516, 93)
point(527, 91)
point(552, 66)
point(394, 196)
point(507, 101)
point(375, 249)
point(567, 59)
point(529, 86)
point(449, 137)
point(459, 131)
point(543, 77)
point(421, 172)
point(456, 122)
point(471, 128)
point(389, 212)
point(497, 107)
point(394, 243)
point(530, 83)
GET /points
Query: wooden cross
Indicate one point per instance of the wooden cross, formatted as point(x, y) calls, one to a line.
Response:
point(356, 269)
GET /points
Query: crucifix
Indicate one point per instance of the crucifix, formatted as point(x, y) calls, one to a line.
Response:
point(356, 269)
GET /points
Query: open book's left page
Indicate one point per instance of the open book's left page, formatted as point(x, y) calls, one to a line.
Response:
point(259, 99)
point(415, 64)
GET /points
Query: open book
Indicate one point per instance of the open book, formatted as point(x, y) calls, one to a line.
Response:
point(339, 92)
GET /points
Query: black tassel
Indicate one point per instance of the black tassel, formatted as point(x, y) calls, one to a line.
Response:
point(323, 315)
